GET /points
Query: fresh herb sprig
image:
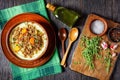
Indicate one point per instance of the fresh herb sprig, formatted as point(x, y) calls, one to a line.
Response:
point(107, 60)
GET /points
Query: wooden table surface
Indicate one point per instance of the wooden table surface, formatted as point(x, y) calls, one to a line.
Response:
point(109, 9)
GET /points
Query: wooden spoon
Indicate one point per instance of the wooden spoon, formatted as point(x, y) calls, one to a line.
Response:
point(73, 34)
point(62, 35)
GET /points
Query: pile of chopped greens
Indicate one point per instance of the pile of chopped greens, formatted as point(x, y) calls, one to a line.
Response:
point(91, 49)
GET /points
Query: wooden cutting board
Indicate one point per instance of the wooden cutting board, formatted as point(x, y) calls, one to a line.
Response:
point(78, 62)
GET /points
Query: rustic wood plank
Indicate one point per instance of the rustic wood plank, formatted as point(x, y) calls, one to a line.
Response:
point(106, 8)
point(116, 10)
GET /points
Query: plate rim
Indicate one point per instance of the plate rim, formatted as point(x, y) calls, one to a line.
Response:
point(5, 35)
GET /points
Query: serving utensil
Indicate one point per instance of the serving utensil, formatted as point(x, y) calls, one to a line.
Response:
point(73, 34)
point(62, 35)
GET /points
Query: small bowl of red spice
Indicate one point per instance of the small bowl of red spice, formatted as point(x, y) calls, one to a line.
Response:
point(114, 34)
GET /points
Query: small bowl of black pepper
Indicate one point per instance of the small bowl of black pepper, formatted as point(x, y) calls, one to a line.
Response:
point(114, 34)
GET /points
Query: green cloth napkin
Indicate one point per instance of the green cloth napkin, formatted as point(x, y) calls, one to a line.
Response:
point(53, 65)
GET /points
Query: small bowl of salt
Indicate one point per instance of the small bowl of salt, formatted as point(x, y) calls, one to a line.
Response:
point(98, 27)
